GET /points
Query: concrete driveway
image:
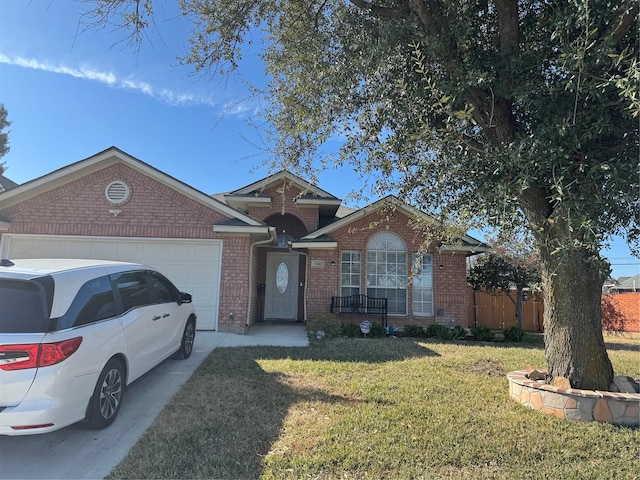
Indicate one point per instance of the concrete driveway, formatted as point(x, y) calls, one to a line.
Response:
point(77, 453)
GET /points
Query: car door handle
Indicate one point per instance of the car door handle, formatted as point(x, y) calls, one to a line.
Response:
point(156, 317)
point(165, 315)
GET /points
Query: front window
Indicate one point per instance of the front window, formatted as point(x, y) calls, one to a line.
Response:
point(387, 271)
point(423, 285)
point(350, 273)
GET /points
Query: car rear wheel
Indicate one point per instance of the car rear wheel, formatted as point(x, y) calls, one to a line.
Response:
point(107, 396)
point(188, 337)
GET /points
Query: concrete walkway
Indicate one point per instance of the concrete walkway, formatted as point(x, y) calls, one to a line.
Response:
point(77, 453)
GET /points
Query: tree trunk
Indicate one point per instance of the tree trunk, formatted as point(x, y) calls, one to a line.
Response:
point(572, 279)
point(517, 303)
point(574, 345)
point(519, 315)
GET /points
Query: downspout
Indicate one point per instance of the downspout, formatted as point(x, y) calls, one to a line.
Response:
point(475, 309)
point(272, 237)
point(306, 275)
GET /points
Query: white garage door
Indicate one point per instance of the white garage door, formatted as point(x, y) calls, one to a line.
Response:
point(192, 265)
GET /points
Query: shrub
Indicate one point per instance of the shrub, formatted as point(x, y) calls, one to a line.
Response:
point(482, 333)
point(377, 330)
point(350, 330)
point(439, 331)
point(513, 334)
point(414, 331)
point(535, 338)
point(458, 332)
point(327, 323)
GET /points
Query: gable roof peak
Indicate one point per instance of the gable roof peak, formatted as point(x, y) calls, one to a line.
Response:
point(107, 157)
point(283, 175)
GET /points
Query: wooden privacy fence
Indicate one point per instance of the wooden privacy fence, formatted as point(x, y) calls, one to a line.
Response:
point(497, 311)
point(620, 312)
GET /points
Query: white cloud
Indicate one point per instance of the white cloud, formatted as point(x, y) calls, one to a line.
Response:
point(241, 108)
point(110, 79)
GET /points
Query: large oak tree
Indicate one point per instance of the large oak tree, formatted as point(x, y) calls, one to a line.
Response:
point(503, 111)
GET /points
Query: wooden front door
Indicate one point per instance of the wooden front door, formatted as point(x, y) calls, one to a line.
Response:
point(281, 290)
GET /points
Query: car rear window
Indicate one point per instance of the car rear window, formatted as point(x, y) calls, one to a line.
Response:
point(23, 307)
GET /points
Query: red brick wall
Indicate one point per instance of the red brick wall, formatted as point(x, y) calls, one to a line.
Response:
point(81, 208)
point(286, 204)
point(449, 281)
point(323, 282)
point(450, 285)
point(234, 284)
point(621, 312)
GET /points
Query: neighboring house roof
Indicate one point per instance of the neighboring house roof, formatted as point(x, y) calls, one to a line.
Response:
point(112, 156)
point(6, 184)
point(629, 283)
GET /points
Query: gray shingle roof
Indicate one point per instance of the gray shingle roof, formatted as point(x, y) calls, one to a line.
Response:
point(6, 184)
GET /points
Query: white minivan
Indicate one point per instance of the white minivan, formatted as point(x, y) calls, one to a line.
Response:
point(75, 333)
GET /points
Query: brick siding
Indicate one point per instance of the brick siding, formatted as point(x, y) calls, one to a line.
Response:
point(81, 208)
point(234, 285)
point(157, 210)
point(621, 312)
point(449, 281)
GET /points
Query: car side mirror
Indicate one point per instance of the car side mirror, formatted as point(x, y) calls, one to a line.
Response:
point(184, 298)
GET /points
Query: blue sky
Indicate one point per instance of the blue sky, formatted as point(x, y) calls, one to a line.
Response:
point(72, 93)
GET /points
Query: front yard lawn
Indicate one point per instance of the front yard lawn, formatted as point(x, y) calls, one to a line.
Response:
point(393, 408)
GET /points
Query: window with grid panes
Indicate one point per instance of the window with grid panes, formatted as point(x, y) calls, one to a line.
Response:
point(423, 285)
point(387, 271)
point(350, 273)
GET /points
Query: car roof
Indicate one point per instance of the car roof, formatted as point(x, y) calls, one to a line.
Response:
point(32, 267)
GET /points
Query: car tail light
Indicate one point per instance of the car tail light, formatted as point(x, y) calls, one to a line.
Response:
point(29, 427)
point(34, 355)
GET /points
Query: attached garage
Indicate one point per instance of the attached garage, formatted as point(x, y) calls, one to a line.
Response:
point(193, 265)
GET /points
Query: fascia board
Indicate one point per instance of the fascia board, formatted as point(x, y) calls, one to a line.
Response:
point(241, 229)
point(315, 245)
point(317, 201)
point(247, 199)
point(464, 249)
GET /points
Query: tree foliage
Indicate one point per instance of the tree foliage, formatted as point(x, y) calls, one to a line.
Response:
point(512, 264)
point(500, 112)
point(4, 135)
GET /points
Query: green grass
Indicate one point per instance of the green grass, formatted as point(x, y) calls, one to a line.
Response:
point(393, 408)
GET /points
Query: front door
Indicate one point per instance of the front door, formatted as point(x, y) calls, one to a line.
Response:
point(281, 290)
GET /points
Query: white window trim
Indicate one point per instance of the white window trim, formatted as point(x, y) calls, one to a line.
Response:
point(421, 312)
point(359, 285)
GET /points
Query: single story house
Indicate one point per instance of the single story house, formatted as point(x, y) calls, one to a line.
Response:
point(276, 250)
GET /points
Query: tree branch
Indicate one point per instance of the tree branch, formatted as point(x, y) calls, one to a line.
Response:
point(399, 11)
point(508, 26)
point(621, 27)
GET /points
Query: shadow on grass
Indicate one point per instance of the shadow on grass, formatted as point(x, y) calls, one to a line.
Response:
point(630, 347)
point(226, 419)
point(356, 350)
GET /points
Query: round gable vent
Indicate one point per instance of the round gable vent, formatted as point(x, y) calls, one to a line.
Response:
point(117, 192)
